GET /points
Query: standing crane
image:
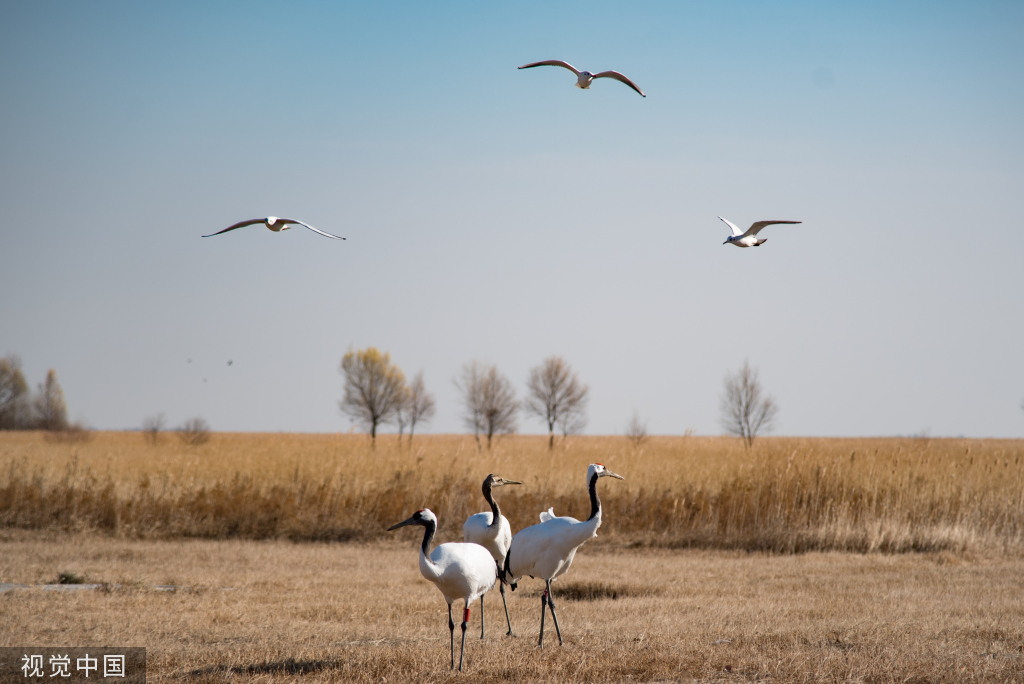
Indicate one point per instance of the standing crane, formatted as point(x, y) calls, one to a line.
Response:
point(458, 570)
point(546, 550)
point(491, 531)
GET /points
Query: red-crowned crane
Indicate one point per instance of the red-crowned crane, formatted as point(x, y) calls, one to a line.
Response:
point(461, 571)
point(491, 531)
point(546, 550)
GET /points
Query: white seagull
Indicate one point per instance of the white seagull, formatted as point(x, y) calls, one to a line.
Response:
point(491, 531)
point(749, 239)
point(275, 224)
point(461, 571)
point(585, 78)
point(546, 550)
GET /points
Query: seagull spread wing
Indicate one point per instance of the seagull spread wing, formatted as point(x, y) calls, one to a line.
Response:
point(240, 224)
point(554, 62)
point(735, 229)
point(756, 227)
point(300, 223)
point(619, 77)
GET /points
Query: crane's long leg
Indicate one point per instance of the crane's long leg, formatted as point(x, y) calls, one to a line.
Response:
point(551, 604)
point(465, 623)
point(503, 602)
point(481, 617)
point(543, 612)
point(451, 629)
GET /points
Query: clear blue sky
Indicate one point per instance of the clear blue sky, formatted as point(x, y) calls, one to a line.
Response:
point(505, 215)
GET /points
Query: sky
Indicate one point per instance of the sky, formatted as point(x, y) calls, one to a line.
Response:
point(506, 216)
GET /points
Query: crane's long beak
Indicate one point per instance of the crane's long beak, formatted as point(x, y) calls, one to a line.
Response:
point(611, 474)
point(409, 521)
point(505, 482)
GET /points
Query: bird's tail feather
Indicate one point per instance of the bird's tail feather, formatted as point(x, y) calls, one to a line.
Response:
point(505, 573)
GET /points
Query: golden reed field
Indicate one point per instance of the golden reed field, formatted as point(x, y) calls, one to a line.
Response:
point(785, 495)
point(803, 560)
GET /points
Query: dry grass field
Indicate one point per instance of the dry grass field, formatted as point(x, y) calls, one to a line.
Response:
point(283, 611)
point(861, 560)
point(785, 495)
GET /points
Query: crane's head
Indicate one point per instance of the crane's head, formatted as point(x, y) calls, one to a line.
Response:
point(422, 517)
point(495, 481)
point(601, 471)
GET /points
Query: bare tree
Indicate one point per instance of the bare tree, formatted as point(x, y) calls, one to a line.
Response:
point(374, 387)
point(572, 422)
point(152, 426)
point(489, 400)
point(401, 417)
point(50, 409)
point(745, 412)
point(470, 383)
point(557, 397)
point(194, 432)
point(636, 430)
point(14, 408)
point(421, 405)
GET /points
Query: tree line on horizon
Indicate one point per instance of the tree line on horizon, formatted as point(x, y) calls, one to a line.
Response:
point(376, 393)
point(20, 409)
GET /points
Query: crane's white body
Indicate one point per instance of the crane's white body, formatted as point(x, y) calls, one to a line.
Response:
point(496, 540)
point(748, 238)
point(547, 550)
point(460, 571)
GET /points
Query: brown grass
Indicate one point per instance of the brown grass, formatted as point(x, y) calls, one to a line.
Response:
point(258, 611)
point(785, 495)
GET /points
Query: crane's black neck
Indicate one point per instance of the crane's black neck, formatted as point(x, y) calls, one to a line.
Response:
point(595, 503)
point(496, 517)
point(428, 536)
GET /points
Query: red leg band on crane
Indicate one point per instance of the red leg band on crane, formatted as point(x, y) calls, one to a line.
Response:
point(465, 618)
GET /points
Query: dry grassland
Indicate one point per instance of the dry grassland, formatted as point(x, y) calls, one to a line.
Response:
point(785, 495)
point(713, 563)
point(282, 611)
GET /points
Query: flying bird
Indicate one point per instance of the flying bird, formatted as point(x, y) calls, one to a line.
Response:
point(749, 238)
point(275, 224)
point(491, 531)
point(460, 571)
point(546, 550)
point(585, 78)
